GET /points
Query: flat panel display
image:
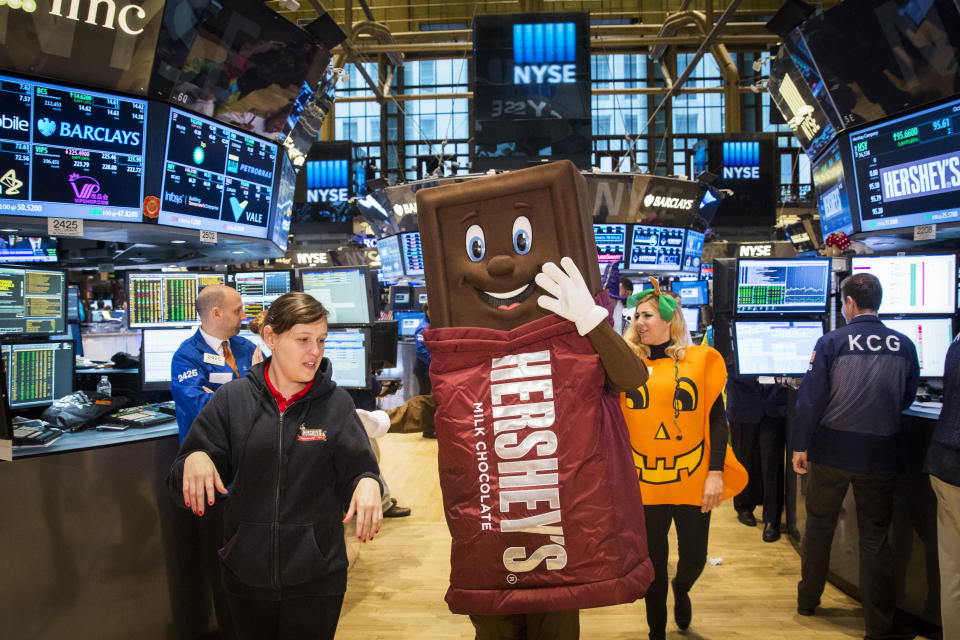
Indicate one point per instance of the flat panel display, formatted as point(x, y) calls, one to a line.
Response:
point(33, 249)
point(706, 271)
point(611, 243)
point(156, 355)
point(913, 284)
point(258, 289)
point(70, 153)
point(932, 338)
point(349, 352)
point(344, 292)
point(777, 348)
point(412, 253)
point(166, 299)
point(692, 317)
point(793, 285)
point(73, 303)
point(656, 248)
point(215, 178)
point(391, 259)
point(38, 374)
point(907, 170)
point(32, 301)
point(408, 322)
point(693, 293)
point(692, 251)
point(836, 200)
point(745, 164)
point(283, 205)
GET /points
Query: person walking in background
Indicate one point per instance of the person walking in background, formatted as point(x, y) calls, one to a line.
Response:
point(290, 442)
point(943, 465)
point(421, 369)
point(847, 431)
point(678, 431)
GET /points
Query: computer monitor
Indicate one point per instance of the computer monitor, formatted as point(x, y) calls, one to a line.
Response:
point(611, 242)
point(401, 298)
point(779, 286)
point(28, 249)
point(924, 284)
point(706, 270)
point(344, 291)
point(73, 303)
point(156, 354)
point(32, 301)
point(166, 299)
point(258, 289)
point(691, 315)
point(656, 248)
point(409, 322)
point(775, 347)
point(391, 259)
point(692, 251)
point(349, 352)
point(383, 337)
point(692, 293)
point(6, 424)
point(932, 338)
point(420, 297)
point(412, 253)
point(38, 373)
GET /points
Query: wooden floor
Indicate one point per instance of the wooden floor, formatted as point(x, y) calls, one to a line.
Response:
point(397, 584)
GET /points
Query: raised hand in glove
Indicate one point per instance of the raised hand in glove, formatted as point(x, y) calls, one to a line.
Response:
point(571, 299)
point(375, 423)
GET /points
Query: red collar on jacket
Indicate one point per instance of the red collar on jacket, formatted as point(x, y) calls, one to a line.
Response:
point(283, 403)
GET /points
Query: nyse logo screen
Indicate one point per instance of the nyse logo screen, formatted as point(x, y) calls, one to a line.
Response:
point(741, 160)
point(544, 53)
point(328, 181)
point(216, 179)
point(85, 149)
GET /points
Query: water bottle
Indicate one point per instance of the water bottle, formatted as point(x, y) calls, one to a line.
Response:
point(104, 388)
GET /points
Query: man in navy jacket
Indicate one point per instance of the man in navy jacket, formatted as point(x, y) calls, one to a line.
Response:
point(847, 430)
point(211, 357)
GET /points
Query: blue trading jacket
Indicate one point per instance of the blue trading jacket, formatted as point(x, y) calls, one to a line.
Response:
point(189, 374)
point(943, 458)
point(861, 378)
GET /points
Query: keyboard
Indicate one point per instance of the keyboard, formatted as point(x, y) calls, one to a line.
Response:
point(142, 416)
point(35, 432)
point(168, 407)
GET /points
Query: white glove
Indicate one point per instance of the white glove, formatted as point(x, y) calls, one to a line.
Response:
point(571, 298)
point(375, 423)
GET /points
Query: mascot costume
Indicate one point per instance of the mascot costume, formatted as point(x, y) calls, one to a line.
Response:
point(539, 486)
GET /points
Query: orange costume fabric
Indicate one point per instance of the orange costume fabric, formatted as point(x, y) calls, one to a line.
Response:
point(672, 461)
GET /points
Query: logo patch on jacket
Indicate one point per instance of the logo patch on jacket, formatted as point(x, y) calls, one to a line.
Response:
point(307, 435)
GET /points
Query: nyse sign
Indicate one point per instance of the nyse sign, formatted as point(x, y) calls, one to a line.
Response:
point(756, 250)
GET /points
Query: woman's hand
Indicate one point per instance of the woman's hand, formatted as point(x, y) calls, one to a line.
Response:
point(257, 356)
point(200, 481)
point(712, 491)
point(367, 504)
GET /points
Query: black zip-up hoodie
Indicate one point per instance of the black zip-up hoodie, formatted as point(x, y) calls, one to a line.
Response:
point(292, 474)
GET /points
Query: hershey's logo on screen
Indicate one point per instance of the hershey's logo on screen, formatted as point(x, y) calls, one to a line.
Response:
point(544, 53)
point(928, 176)
point(328, 180)
point(741, 160)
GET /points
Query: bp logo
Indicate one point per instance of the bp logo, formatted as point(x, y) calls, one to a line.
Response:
point(28, 6)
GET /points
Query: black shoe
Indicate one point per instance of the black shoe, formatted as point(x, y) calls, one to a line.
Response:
point(430, 434)
point(682, 609)
point(771, 532)
point(746, 517)
point(396, 511)
point(804, 611)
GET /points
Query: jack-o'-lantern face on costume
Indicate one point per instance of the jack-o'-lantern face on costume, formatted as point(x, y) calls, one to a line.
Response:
point(675, 458)
point(484, 242)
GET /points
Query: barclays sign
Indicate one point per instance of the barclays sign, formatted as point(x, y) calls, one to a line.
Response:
point(544, 53)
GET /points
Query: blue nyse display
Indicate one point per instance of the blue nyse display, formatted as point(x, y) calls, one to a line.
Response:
point(328, 180)
point(544, 53)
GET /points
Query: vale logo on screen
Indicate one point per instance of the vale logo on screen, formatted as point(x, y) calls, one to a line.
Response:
point(237, 207)
point(544, 53)
point(741, 160)
point(328, 180)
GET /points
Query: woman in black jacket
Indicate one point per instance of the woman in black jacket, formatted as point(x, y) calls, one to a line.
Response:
point(290, 444)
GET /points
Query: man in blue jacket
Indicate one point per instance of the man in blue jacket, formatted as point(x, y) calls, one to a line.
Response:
point(211, 357)
point(847, 431)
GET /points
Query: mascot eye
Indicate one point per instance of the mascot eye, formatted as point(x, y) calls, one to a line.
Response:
point(522, 235)
point(685, 396)
point(638, 398)
point(476, 246)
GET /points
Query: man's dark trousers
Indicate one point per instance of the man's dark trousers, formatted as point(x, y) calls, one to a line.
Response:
point(826, 488)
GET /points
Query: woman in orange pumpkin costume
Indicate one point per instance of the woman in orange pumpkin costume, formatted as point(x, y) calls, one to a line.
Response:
point(678, 431)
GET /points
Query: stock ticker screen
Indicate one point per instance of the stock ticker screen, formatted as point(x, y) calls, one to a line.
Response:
point(907, 170)
point(259, 289)
point(215, 178)
point(611, 242)
point(32, 301)
point(834, 200)
point(656, 248)
point(38, 374)
point(70, 153)
point(783, 286)
point(166, 299)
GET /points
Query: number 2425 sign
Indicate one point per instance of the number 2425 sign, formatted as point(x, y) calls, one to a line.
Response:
point(64, 227)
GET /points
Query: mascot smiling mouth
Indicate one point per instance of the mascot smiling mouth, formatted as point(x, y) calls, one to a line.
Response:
point(508, 300)
point(661, 472)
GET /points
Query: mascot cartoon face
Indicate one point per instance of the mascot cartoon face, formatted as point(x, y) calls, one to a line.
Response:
point(676, 457)
point(484, 242)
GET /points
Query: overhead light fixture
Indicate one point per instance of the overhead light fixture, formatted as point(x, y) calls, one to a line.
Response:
point(237, 252)
point(178, 241)
point(10, 230)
